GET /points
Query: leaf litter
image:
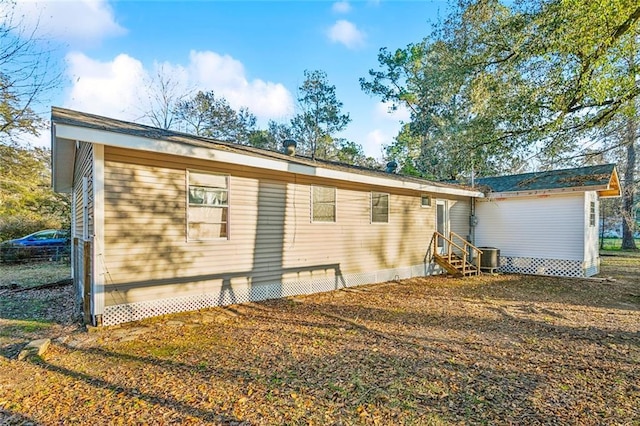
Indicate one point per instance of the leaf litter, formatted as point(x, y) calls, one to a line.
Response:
point(503, 349)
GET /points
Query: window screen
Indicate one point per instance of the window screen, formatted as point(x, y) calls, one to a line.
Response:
point(324, 204)
point(208, 206)
point(379, 207)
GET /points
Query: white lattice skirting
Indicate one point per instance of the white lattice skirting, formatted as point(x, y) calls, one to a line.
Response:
point(117, 314)
point(552, 267)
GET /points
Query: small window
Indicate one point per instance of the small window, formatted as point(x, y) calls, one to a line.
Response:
point(379, 207)
point(323, 204)
point(425, 201)
point(592, 213)
point(208, 206)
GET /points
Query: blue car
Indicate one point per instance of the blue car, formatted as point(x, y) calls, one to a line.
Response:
point(50, 244)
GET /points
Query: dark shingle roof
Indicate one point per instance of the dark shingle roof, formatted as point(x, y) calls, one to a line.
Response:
point(581, 177)
point(91, 121)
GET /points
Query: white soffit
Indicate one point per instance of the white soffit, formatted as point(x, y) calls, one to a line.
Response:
point(63, 153)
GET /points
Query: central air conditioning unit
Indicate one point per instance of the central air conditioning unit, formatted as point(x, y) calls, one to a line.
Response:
point(490, 259)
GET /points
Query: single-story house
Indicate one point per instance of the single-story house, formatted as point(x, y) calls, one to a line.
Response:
point(165, 222)
point(546, 222)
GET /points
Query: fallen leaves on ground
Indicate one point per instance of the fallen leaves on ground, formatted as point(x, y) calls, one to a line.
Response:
point(490, 350)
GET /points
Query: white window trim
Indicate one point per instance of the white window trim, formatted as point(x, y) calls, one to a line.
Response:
point(427, 206)
point(186, 216)
point(335, 204)
point(371, 208)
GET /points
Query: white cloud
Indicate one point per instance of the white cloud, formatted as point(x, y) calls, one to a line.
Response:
point(216, 71)
point(77, 22)
point(107, 88)
point(346, 33)
point(383, 111)
point(116, 88)
point(226, 76)
point(341, 7)
point(374, 141)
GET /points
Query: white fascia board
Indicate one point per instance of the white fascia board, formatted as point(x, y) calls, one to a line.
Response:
point(557, 191)
point(380, 181)
point(167, 147)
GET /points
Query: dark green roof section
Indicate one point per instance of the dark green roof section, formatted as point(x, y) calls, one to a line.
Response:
point(581, 177)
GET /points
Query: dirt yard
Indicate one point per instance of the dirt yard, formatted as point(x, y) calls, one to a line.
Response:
point(431, 351)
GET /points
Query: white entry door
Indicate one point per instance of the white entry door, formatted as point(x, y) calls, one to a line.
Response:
point(442, 222)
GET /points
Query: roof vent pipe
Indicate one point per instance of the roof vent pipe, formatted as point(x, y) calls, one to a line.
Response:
point(289, 147)
point(391, 166)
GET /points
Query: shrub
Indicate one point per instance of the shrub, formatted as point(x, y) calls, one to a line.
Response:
point(18, 226)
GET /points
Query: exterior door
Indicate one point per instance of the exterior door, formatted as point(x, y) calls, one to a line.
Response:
point(442, 222)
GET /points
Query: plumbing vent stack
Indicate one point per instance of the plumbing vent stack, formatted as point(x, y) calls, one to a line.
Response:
point(289, 147)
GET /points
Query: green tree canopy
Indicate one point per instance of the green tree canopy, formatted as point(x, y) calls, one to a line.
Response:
point(27, 202)
point(320, 117)
point(211, 116)
point(504, 82)
point(499, 83)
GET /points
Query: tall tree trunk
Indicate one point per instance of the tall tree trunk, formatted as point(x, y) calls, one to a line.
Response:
point(629, 186)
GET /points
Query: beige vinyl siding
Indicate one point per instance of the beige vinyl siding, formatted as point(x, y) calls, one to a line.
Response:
point(271, 236)
point(459, 212)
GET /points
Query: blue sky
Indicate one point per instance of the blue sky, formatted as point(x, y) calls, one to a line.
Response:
point(253, 53)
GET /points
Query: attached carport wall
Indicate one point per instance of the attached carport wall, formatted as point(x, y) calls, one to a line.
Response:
point(545, 235)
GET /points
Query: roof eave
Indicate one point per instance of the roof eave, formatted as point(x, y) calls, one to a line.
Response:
point(546, 192)
point(613, 189)
point(67, 132)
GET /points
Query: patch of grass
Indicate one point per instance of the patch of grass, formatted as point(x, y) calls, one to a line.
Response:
point(615, 244)
point(433, 419)
point(33, 274)
point(168, 351)
point(434, 389)
point(620, 255)
point(23, 309)
point(14, 328)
